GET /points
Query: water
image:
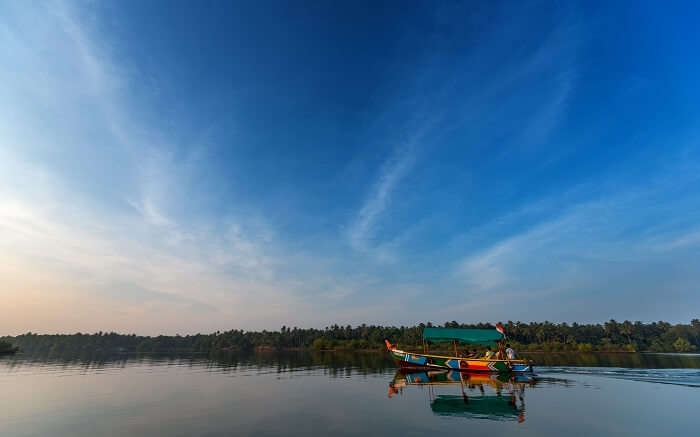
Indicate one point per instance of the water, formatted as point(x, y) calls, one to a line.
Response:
point(300, 394)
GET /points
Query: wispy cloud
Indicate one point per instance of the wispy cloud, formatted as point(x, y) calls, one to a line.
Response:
point(585, 249)
point(391, 173)
point(129, 248)
point(493, 111)
point(144, 257)
point(125, 261)
point(548, 114)
point(110, 213)
point(686, 239)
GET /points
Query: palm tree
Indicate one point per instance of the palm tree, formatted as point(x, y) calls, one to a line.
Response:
point(626, 329)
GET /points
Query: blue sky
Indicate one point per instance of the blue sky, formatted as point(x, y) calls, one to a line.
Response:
point(186, 167)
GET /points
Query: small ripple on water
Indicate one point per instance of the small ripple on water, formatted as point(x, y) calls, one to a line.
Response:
point(684, 377)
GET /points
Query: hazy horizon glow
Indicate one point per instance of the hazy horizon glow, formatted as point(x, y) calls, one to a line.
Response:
point(179, 167)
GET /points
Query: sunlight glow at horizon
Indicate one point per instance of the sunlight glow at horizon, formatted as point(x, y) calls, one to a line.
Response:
point(181, 168)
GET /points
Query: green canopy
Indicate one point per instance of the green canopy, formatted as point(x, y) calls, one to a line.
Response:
point(478, 407)
point(485, 337)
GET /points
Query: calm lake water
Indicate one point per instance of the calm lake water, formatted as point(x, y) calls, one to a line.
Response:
point(301, 394)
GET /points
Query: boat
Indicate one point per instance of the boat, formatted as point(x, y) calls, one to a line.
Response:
point(483, 337)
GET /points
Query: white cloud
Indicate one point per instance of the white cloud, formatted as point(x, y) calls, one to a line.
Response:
point(687, 239)
point(394, 169)
point(129, 259)
point(588, 251)
point(116, 251)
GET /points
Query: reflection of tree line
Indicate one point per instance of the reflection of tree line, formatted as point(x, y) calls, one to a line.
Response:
point(546, 336)
point(337, 364)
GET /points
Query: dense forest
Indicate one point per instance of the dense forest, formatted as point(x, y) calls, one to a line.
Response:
point(7, 348)
point(545, 336)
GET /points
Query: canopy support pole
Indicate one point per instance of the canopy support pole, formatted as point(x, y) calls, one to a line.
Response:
point(465, 398)
point(455, 344)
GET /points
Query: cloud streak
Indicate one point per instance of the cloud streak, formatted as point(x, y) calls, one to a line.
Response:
point(133, 260)
point(584, 251)
point(112, 217)
point(394, 169)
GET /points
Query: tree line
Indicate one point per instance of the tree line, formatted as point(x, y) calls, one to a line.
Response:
point(7, 348)
point(535, 336)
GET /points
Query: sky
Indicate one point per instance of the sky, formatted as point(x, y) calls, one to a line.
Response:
point(182, 167)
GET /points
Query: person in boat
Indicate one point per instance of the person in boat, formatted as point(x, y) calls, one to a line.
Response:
point(474, 354)
point(499, 352)
point(510, 353)
point(489, 352)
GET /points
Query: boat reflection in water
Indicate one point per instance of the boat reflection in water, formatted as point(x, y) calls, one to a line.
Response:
point(477, 395)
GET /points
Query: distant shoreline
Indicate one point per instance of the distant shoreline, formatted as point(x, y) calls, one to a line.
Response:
point(535, 337)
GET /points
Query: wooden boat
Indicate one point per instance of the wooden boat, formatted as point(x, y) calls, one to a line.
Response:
point(484, 337)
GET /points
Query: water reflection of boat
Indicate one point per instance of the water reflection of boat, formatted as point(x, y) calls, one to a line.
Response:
point(484, 407)
point(437, 377)
point(483, 395)
point(483, 337)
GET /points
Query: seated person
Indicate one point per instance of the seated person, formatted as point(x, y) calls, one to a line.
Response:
point(489, 352)
point(499, 353)
point(474, 354)
point(510, 353)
